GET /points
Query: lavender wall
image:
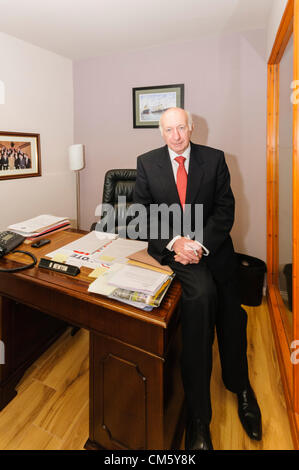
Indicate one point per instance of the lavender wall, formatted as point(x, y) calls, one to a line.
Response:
point(225, 90)
point(39, 99)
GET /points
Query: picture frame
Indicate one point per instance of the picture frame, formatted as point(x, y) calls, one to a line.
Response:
point(149, 103)
point(19, 155)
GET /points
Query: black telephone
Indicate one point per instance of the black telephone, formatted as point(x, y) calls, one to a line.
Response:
point(9, 241)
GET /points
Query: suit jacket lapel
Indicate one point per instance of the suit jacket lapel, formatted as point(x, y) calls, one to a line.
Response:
point(195, 175)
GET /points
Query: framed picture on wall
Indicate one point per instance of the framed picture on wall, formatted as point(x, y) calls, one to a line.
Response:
point(150, 102)
point(19, 155)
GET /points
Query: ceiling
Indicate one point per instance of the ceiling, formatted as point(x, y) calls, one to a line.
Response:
point(81, 29)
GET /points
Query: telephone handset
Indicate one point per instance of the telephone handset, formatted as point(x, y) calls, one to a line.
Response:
point(8, 242)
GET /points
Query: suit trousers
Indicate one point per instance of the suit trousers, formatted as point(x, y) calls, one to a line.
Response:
point(206, 304)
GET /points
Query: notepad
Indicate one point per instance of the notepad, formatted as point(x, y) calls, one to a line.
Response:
point(60, 257)
point(99, 271)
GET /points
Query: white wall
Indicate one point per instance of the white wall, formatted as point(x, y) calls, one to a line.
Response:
point(276, 14)
point(38, 99)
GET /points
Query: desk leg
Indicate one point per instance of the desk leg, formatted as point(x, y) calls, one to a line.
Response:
point(25, 333)
point(136, 398)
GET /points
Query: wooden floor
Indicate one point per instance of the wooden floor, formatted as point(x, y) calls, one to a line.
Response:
point(51, 409)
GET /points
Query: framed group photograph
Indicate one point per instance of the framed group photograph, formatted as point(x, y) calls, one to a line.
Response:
point(19, 155)
point(150, 102)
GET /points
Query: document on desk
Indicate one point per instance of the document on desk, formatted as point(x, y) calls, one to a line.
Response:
point(78, 253)
point(101, 286)
point(120, 249)
point(89, 243)
point(37, 224)
point(94, 250)
point(138, 279)
point(144, 260)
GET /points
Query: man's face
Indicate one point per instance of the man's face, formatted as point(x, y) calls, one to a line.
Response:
point(175, 130)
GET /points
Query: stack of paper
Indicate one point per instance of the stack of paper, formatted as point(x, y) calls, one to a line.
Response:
point(138, 279)
point(40, 226)
point(139, 299)
point(139, 287)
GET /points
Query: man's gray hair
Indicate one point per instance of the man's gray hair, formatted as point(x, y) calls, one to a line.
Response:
point(190, 121)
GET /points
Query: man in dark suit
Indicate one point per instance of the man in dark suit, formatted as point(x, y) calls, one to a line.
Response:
point(188, 175)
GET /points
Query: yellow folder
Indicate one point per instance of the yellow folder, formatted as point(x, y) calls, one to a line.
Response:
point(144, 260)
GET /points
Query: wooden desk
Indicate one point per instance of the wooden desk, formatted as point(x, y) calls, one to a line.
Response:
point(136, 396)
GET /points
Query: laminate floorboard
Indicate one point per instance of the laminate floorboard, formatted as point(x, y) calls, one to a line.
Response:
point(226, 429)
point(50, 411)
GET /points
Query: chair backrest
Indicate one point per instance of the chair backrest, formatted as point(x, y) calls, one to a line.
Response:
point(118, 182)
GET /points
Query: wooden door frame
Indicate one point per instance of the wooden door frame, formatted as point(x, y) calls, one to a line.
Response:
point(289, 372)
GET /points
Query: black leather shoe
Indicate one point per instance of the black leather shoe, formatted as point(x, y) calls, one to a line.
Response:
point(249, 413)
point(198, 436)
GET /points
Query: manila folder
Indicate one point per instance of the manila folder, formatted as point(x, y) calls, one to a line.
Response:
point(143, 259)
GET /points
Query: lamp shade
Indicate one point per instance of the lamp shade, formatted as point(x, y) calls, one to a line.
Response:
point(76, 157)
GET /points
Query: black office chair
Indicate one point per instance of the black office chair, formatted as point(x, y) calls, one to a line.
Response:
point(118, 182)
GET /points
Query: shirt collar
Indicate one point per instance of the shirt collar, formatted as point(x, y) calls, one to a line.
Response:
point(185, 154)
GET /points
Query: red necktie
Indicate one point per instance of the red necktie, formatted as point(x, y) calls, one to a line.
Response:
point(181, 179)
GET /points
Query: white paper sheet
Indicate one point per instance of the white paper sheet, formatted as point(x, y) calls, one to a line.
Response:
point(122, 248)
point(138, 279)
point(100, 285)
point(87, 244)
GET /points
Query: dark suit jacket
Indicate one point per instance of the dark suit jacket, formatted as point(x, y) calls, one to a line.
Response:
point(208, 184)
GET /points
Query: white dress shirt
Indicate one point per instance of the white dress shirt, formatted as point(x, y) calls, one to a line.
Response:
point(175, 164)
point(175, 167)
